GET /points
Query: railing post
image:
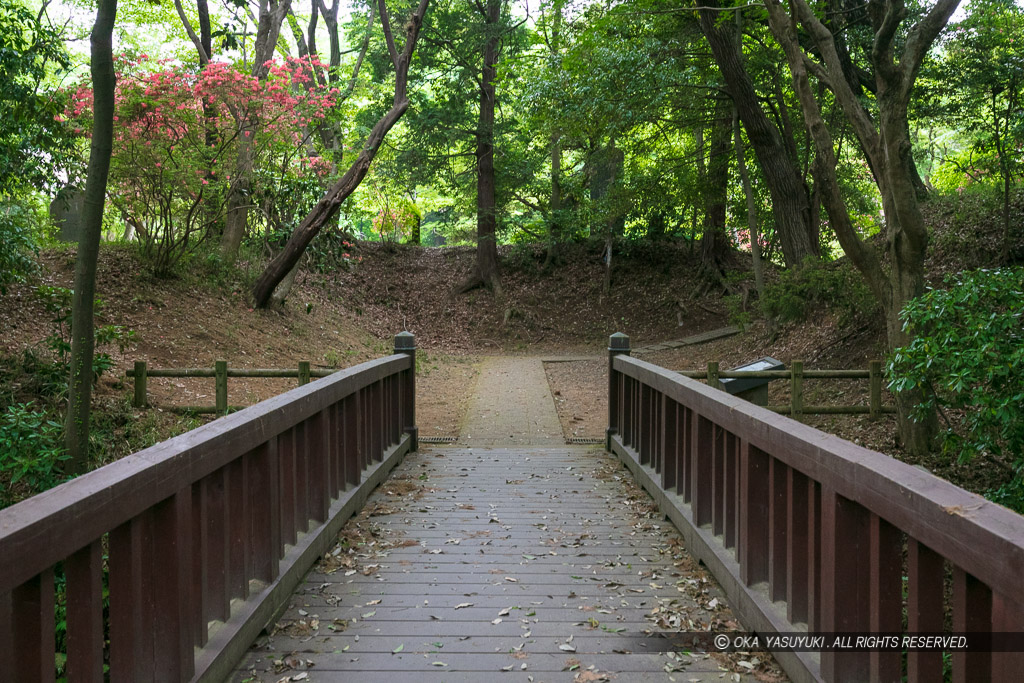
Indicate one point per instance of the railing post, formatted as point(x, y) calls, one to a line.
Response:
point(618, 345)
point(713, 375)
point(220, 369)
point(875, 377)
point(405, 343)
point(303, 372)
point(140, 384)
point(797, 388)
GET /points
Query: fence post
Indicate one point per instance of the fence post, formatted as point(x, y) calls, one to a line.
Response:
point(405, 343)
point(140, 384)
point(618, 345)
point(797, 388)
point(875, 373)
point(220, 369)
point(713, 375)
point(303, 372)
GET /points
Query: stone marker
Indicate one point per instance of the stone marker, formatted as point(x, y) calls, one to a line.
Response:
point(66, 213)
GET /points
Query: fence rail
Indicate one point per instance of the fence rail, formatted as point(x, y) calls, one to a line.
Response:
point(804, 530)
point(140, 373)
point(202, 538)
point(796, 375)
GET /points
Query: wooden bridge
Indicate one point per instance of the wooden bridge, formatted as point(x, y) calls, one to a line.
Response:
point(192, 560)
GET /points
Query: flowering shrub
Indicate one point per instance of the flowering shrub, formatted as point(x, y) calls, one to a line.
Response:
point(177, 135)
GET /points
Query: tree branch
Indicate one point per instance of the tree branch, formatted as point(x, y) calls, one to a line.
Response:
point(204, 58)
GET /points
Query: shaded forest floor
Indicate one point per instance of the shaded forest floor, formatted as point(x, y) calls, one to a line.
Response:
point(343, 317)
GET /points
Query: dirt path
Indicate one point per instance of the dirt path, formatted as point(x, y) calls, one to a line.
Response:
point(511, 405)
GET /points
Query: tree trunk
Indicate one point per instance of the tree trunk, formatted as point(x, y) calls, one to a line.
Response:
point(555, 206)
point(485, 273)
point(272, 14)
point(76, 426)
point(714, 242)
point(748, 192)
point(790, 206)
point(887, 143)
point(328, 206)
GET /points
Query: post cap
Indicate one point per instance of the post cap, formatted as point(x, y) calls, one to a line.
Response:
point(405, 341)
point(618, 342)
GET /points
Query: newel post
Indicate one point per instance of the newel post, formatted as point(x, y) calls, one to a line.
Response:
point(405, 343)
point(618, 345)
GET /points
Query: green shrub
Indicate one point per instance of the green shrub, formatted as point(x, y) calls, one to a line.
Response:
point(800, 291)
point(18, 243)
point(968, 353)
point(31, 450)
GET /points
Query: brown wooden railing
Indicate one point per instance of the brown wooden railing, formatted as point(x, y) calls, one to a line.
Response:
point(220, 372)
point(806, 531)
point(201, 539)
point(796, 376)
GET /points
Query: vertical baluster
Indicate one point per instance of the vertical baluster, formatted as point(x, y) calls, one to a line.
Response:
point(265, 532)
point(32, 624)
point(405, 343)
point(131, 604)
point(885, 595)
point(84, 571)
point(319, 467)
point(718, 481)
point(669, 443)
point(732, 484)
point(239, 565)
point(216, 549)
point(687, 442)
point(1007, 617)
point(200, 559)
point(814, 546)
point(286, 502)
point(778, 507)
point(796, 546)
point(131, 642)
point(302, 457)
point(844, 581)
point(972, 613)
point(646, 424)
point(702, 475)
point(353, 470)
point(752, 551)
point(337, 450)
point(924, 608)
point(170, 562)
point(656, 442)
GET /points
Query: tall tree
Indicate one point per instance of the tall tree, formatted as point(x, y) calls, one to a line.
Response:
point(76, 426)
point(327, 207)
point(897, 51)
point(798, 234)
point(485, 272)
point(272, 14)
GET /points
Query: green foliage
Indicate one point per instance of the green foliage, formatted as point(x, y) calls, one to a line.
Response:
point(35, 146)
point(31, 450)
point(18, 242)
point(57, 301)
point(800, 290)
point(967, 354)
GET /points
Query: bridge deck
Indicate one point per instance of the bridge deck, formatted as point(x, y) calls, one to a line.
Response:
point(469, 562)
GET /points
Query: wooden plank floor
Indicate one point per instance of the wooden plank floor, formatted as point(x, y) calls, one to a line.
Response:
point(532, 564)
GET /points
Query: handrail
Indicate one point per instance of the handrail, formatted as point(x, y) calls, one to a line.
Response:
point(215, 525)
point(805, 530)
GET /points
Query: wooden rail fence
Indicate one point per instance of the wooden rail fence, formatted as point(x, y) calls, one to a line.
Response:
point(806, 531)
point(201, 539)
point(796, 375)
point(141, 373)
